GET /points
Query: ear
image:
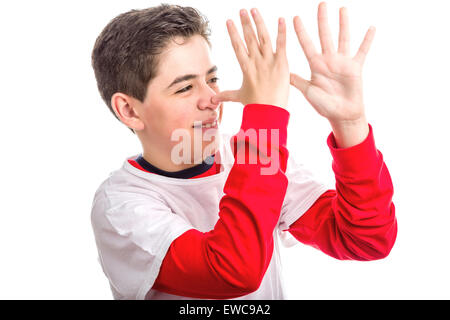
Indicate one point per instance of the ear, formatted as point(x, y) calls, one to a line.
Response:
point(125, 109)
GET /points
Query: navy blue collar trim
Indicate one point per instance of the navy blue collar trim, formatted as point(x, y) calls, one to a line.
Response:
point(182, 174)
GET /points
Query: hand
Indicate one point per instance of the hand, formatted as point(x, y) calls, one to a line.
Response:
point(335, 89)
point(265, 73)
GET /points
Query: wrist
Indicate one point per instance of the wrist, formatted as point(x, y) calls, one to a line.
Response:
point(268, 102)
point(348, 133)
point(273, 97)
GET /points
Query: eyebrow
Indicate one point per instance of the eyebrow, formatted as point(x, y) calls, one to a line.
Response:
point(189, 76)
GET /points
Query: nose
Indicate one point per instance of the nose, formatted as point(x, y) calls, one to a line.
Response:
point(205, 99)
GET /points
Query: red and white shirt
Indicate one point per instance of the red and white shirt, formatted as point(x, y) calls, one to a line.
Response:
point(216, 234)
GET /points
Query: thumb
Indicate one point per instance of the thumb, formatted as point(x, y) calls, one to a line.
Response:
point(300, 83)
point(231, 95)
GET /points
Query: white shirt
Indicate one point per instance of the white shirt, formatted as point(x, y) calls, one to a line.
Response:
point(136, 215)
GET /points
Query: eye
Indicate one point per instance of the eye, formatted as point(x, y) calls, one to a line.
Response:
point(184, 89)
point(215, 79)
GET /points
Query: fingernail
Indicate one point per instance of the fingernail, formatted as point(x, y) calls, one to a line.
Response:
point(242, 12)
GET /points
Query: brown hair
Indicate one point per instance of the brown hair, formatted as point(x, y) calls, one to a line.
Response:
point(125, 54)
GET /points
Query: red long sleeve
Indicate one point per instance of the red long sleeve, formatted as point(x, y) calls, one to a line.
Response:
point(357, 220)
point(231, 260)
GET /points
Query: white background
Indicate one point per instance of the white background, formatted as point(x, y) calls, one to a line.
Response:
point(59, 142)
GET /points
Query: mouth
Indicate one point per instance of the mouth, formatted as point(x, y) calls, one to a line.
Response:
point(205, 125)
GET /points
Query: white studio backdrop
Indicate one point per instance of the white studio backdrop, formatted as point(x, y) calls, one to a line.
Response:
point(59, 142)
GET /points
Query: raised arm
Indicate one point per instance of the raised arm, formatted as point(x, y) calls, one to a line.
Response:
point(357, 220)
point(231, 260)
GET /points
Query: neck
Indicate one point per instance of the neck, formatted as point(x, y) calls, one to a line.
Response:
point(161, 158)
point(171, 158)
point(164, 163)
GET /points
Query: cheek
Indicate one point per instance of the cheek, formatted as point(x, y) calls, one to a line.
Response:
point(162, 119)
point(184, 116)
point(180, 118)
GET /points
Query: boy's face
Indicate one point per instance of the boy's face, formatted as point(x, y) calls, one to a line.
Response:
point(173, 103)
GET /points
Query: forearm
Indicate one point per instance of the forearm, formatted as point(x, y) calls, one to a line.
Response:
point(357, 220)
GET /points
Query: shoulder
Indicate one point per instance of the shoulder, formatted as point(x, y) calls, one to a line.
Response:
point(123, 197)
point(124, 184)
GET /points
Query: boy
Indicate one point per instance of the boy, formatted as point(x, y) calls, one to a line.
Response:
point(207, 227)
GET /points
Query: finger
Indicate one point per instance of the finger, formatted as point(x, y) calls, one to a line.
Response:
point(263, 35)
point(344, 33)
point(231, 95)
point(300, 83)
point(304, 39)
point(365, 46)
point(237, 43)
point(249, 34)
point(326, 40)
point(220, 113)
point(281, 38)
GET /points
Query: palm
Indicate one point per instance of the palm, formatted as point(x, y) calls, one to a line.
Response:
point(335, 88)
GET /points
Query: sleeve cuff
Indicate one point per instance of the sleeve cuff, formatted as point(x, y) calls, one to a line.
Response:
point(363, 157)
point(263, 116)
